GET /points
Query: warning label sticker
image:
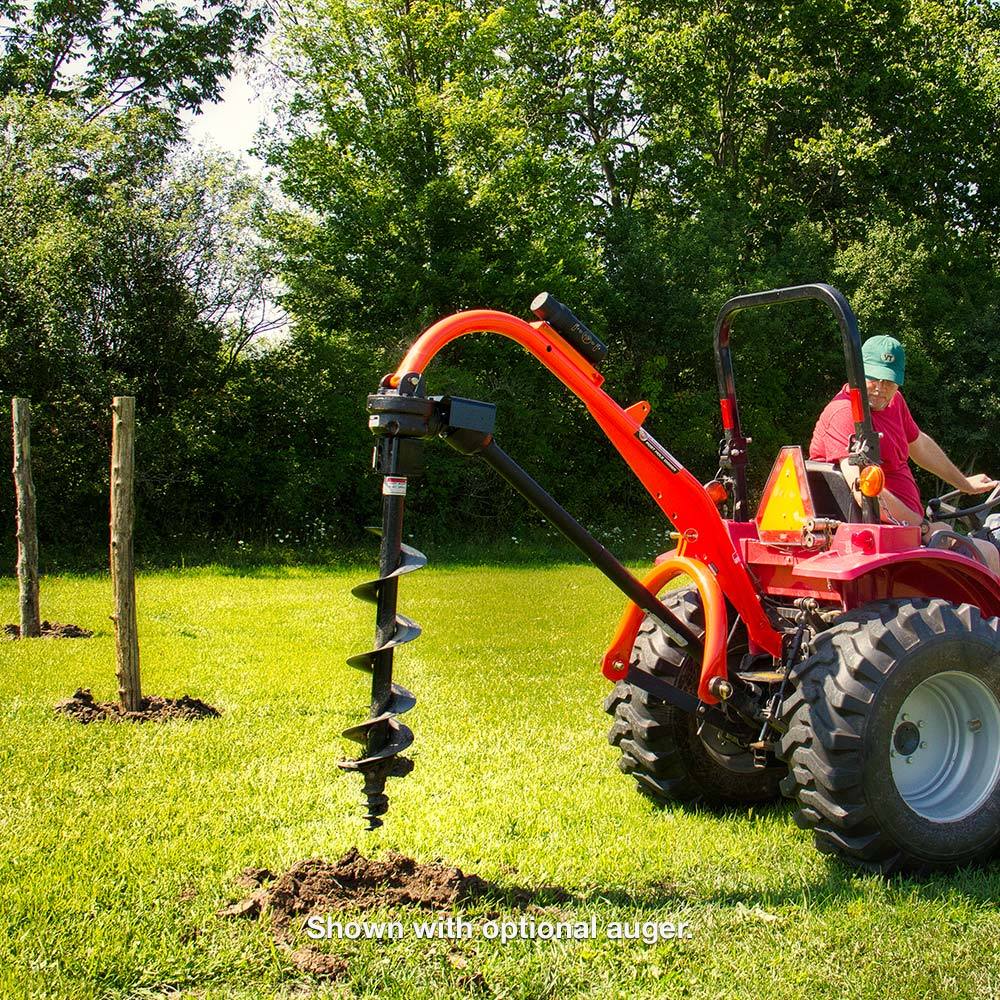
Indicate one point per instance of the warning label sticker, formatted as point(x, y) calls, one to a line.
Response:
point(394, 486)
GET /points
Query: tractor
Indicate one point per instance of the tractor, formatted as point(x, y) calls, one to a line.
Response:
point(810, 649)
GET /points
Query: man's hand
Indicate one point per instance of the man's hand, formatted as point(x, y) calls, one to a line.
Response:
point(979, 483)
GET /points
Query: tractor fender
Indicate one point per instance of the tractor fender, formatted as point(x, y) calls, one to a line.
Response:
point(616, 659)
point(913, 573)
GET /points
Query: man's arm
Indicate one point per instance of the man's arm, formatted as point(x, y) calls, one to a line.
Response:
point(928, 454)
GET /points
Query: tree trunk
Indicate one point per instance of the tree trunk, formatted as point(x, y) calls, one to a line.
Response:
point(27, 531)
point(122, 562)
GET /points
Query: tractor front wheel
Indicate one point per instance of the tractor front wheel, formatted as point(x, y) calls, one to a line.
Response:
point(661, 746)
point(893, 744)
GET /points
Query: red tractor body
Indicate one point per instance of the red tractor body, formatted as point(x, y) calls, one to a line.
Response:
point(807, 628)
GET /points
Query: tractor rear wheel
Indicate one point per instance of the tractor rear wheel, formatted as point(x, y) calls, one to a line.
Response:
point(660, 744)
point(893, 744)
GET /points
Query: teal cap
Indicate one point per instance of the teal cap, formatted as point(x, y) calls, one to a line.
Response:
point(884, 358)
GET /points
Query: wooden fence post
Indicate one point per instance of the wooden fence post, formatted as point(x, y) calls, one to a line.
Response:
point(27, 532)
point(122, 562)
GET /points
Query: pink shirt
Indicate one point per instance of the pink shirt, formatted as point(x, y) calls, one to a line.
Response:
point(897, 430)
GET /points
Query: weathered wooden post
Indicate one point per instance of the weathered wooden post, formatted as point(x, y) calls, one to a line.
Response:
point(122, 561)
point(27, 532)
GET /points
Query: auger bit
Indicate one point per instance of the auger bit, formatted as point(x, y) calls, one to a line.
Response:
point(400, 419)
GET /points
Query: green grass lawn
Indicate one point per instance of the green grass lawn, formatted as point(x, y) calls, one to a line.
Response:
point(121, 841)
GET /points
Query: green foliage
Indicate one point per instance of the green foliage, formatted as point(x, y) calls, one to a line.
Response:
point(105, 55)
point(644, 161)
point(126, 266)
point(119, 275)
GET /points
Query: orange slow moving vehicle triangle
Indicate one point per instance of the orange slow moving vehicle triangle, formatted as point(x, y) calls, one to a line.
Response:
point(787, 503)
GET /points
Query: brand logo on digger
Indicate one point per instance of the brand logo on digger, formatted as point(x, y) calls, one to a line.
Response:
point(659, 451)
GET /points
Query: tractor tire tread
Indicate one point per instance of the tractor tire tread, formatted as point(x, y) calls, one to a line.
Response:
point(826, 713)
point(666, 759)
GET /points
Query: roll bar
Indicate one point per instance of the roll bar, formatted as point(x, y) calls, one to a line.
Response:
point(733, 453)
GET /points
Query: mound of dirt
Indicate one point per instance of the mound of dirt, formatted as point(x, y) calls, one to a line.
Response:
point(357, 882)
point(51, 630)
point(83, 708)
point(252, 878)
point(318, 963)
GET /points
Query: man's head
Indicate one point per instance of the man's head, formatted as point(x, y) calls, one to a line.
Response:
point(884, 360)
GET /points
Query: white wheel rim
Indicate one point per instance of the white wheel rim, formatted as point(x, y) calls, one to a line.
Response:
point(944, 749)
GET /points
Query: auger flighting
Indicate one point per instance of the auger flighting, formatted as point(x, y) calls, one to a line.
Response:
point(398, 455)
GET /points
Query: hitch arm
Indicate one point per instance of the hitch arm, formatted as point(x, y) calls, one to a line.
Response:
point(677, 493)
point(616, 660)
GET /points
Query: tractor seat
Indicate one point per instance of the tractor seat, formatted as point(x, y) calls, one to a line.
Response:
point(831, 495)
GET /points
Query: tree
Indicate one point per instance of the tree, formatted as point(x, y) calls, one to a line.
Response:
point(127, 264)
point(641, 159)
point(797, 137)
point(644, 160)
point(122, 271)
point(108, 55)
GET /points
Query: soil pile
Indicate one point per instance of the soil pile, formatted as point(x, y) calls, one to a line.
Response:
point(357, 882)
point(51, 630)
point(318, 963)
point(84, 708)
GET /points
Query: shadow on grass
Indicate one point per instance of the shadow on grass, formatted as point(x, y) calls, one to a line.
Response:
point(841, 884)
point(269, 564)
point(270, 559)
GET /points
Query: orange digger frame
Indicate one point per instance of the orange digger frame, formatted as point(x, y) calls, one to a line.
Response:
point(785, 572)
point(706, 552)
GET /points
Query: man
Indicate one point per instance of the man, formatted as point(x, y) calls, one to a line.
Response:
point(884, 362)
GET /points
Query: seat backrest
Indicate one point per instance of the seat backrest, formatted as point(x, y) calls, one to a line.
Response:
point(832, 496)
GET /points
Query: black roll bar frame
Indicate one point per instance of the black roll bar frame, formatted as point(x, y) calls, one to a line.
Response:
point(864, 446)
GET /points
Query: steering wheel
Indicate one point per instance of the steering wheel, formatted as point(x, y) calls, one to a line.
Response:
point(952, 541)
point(939, 509)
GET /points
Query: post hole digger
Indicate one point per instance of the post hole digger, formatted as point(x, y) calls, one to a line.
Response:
point(815, 651)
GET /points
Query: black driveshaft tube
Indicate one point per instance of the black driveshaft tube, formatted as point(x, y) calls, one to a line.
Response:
point(545, 504)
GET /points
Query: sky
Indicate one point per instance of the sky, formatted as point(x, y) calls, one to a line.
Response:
point(232, 123)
